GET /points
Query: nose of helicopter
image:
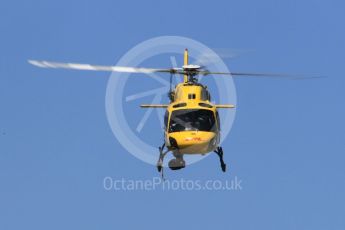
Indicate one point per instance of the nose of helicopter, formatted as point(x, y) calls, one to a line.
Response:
point(193, 142)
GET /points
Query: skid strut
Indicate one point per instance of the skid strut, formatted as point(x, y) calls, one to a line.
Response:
point(220, 154)
point(174, 164)
point(160, 160)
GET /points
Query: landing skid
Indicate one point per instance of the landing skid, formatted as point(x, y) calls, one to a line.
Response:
point(219, 152)
point(161, 158)
point(174, 164)
point(179, 163)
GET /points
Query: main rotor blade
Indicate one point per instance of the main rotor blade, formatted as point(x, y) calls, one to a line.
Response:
point(271, 75)
point(77, 66)
point(209, 57)
point(124, 69)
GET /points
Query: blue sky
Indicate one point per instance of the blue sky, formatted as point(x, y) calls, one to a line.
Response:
point(286, 145)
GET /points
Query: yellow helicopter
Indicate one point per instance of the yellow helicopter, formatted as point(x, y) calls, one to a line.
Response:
point(192, 124)
point(191, 121)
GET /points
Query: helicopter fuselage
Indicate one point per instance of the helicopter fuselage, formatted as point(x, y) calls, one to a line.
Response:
point(191, 121)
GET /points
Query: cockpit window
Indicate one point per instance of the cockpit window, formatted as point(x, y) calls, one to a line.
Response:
point(192, 120)
point(166, 117)
point(218, 120)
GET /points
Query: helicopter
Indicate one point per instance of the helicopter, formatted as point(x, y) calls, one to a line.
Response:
point(191, 121)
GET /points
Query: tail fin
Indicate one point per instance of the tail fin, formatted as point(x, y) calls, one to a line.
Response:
point(185, 62)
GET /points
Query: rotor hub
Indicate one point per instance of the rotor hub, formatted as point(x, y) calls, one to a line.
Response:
point(191, 71)
point(191, 67)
